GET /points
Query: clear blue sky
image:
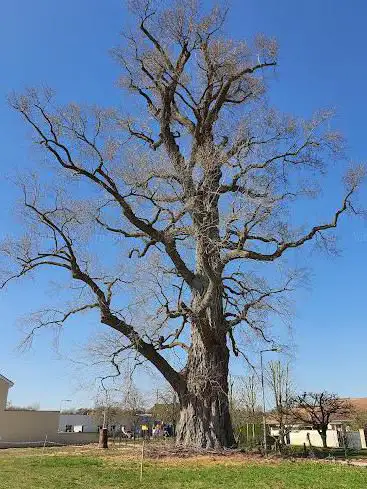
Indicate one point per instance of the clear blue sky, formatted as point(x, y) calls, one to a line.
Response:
point(322, 63)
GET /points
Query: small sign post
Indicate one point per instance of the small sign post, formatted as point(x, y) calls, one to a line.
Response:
point(142, 461)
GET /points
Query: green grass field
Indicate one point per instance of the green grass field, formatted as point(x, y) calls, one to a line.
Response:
point(89, 469)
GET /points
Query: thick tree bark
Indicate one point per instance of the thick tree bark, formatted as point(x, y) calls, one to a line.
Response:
point(281, 435)
point(205, 423)
point(103, 438)
point(323, 435)
point(204, 418)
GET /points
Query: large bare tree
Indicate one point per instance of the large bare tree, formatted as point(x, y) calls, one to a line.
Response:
point(198, 185)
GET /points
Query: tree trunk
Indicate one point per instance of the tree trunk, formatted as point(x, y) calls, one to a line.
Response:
point(281, 436)
point(323, 438)
point(103, 438)
point(205, 420)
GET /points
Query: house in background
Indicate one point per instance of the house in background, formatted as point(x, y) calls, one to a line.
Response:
point(86, 423)
point(77, 423)
point(299, 433)
point(359, 406)
point(23, 426)
point(5, 385)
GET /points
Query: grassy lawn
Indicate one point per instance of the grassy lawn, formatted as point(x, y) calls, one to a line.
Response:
point(89, 469)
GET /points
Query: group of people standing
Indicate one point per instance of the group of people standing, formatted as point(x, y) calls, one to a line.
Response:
point(162, 430)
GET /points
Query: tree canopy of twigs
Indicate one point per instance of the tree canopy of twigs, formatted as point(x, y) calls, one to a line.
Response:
point(278, 377)
point(167, 217)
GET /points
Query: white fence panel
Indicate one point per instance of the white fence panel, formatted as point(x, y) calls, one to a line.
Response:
point(354, 440)
point(299, 437)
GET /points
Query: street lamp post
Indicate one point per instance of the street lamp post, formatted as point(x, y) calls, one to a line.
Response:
point(263, 395)
point(63, 400)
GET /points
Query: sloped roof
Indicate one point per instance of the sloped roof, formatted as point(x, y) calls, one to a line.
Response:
point(359, 403)
point(6, 380)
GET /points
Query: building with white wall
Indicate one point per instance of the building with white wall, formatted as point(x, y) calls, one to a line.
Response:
point(339, 429)
point(86, 423)
point(24, 425)
point(77, 423)
point(5, 385)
